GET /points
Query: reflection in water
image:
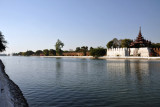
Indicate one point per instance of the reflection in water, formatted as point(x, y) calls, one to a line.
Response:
point(84, 65)
point(138, 71)
point(141, 70)
point(116, 67)
point(130, 69)
point(58, 68)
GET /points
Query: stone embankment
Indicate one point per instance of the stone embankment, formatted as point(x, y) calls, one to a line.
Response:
point(10, 93)
point(106, 57)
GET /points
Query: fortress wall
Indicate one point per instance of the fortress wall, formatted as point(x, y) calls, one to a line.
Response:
point(117, 52)
point(87, 53)
point(143, 52)
point(75, 54)
point(157, 51)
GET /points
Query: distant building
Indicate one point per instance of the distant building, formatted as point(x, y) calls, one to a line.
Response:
point(139, 47)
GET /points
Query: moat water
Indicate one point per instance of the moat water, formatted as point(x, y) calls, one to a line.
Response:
point(73, 82)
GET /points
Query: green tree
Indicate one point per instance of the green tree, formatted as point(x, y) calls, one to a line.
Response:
point(97, 52)
point(2, 42)
point(29, 53)
point(155, 45)
point(20, 53)
point(59, 45)
point(115, 43)
point(46, 52)
point(84, 49)
point(15, 54)
point(125, 43)
point(23, 53)
point(38, 52)
point(78, 49)
point(52, 52)
point(91, 48)
point(110, 44)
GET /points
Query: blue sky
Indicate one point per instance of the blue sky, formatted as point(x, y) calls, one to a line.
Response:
point(37, 24)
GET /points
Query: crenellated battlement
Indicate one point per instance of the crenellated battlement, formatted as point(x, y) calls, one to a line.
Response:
point(144, 52)
point(116, 49)
point(156, 49)
point(117, 52)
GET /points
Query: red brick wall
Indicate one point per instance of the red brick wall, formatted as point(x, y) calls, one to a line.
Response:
point(156, 51)
point(75, 54)
point(87, 53)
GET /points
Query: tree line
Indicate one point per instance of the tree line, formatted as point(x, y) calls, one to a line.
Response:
point(96, 52)
point(46, 52)
point(125, 43)
point(99, 51)
point(122, 43)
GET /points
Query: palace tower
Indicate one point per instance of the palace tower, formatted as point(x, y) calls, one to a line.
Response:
point(140, 41)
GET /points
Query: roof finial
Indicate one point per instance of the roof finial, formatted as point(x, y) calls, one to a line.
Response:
point(140, 30)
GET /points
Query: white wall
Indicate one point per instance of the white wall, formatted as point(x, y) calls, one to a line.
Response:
point(134, 51)
point(143, 52)
point(117, 52)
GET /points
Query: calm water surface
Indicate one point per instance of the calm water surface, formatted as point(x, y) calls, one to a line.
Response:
point(69, 82)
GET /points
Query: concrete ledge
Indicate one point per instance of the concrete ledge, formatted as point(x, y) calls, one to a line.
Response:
point(105, 57)
point(10, 93)
point(132, 57)
point(89, 57)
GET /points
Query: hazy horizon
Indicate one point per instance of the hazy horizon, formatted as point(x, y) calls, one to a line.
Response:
point(36, 25)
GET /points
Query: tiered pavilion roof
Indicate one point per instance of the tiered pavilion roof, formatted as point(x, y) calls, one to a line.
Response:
point(140, 41)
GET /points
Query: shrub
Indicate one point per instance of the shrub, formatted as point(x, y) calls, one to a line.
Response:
point(97, 52)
